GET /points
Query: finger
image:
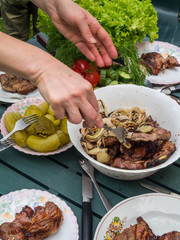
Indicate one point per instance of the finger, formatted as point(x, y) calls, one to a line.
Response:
point(104, 37)
point(59, 112)
point(83, 47)
point(98, 57)
point(85, 30)
point(73, 114)
point(104, 54)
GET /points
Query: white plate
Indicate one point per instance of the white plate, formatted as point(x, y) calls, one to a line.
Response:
point(21, 106)
point(9, 97)
point(169, 76)
point(15, 201)
point(160, 211)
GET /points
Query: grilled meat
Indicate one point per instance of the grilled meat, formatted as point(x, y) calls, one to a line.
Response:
point(14, 84)
point(156, 62)
point(156, 134)
point(142, 231)
point(174, 235)
point(33, 225)
point(139, 231)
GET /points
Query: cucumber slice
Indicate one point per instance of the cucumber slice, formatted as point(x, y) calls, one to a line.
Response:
point(108, 81)
point(125, 77)
point(115, 82)
point(102, 81)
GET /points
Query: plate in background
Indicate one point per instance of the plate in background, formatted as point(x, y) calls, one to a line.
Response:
point(168, 76)
point(160, 211)
point(12, 203)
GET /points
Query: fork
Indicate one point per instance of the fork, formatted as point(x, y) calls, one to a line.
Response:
point(6, 143)
point(21, 124)
point(119, 132)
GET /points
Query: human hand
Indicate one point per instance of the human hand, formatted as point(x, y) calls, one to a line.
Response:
point(82, 29)
point(69, 94)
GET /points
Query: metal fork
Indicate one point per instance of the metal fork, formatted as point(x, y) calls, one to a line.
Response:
point(6, 144)
point(21, 124)
point(89, 169)
point(119, 132)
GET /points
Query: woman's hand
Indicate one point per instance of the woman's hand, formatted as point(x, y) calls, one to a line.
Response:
point(81, 28)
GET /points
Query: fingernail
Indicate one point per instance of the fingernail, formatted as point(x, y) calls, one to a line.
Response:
point(92, 40)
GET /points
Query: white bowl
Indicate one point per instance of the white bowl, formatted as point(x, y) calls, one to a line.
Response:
point(161, 107)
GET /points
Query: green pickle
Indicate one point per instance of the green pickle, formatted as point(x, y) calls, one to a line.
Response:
point(10, 120)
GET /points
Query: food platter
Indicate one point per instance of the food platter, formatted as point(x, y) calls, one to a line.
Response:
point(15, 201)
point(9, 97)
point(160, 211)
point(168, 76)
point(21, 106)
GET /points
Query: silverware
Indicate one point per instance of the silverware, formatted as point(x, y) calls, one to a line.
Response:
point(119, 132)
point(6, 144)
point(170, 89)
point(164, 89)
point(21, 124)
point(157, 189)
point(87, 195)
point(89, 169)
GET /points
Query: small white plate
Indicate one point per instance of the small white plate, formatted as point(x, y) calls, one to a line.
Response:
point(160, 211)
point(13, 203)
point(168, 76)
point(20, 107)
point(9, 97)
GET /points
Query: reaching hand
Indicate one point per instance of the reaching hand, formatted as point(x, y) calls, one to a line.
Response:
point(82, 29)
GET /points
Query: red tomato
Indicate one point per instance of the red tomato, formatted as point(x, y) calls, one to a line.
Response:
point(80, 66)
point(93, 77)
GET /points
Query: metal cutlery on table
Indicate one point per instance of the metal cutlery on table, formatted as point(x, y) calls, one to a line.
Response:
point(89, 169)
point(6, 144)
point(157, 189)
point(21, 124)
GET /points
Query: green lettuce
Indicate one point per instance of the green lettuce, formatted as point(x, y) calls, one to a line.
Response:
point(124, 20)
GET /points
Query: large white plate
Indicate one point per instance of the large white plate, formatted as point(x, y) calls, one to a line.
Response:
point(21, 106)
point(14, 202)
point(160, 211)
point(169, 76)
point(9, 97)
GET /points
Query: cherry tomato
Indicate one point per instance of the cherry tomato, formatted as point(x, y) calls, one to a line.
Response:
point(93, 77)
point(80, 66)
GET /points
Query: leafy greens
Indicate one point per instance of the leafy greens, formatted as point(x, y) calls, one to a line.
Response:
point(126, 21)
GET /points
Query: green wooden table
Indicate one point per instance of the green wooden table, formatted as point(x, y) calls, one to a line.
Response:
point(61, 174)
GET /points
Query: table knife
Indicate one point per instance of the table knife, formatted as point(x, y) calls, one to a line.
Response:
point(157, 189)
point(87, 195)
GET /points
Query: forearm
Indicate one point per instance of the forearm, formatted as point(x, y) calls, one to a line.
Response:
point(21, 58)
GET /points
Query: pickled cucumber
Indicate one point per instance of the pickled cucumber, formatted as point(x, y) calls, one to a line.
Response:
point(40, 144)
point(33, 109)
point(63, 125)
point(63, 138)
point(43, 107)
point(10, 120)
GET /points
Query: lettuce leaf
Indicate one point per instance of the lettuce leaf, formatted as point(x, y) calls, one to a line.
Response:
point(124, 20)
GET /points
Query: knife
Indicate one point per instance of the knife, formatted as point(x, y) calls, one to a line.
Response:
point(87, 195)
point(157, 189)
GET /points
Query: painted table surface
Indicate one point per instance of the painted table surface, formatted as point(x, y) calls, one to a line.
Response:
point(60, 174)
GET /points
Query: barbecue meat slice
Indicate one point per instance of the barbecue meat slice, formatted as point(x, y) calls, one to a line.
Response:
point(174, 235)
point(156, 134)
point(143, 231)
point(36, 224)
point(172, 62)
point(14, 84)
point(45, 222)
point(127, 234)
point(139, 231)
point(154, 61)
